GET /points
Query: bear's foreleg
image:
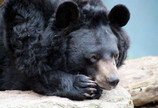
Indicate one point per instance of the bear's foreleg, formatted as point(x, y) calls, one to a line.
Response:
point(76, 87)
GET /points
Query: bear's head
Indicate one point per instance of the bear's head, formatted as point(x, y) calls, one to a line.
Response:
point(95, 43)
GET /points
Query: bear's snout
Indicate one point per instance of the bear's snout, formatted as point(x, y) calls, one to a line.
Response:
point(107, 76)
point(113, 81)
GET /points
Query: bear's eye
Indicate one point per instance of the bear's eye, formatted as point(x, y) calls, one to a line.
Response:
point(94, 58)
point(116, 56)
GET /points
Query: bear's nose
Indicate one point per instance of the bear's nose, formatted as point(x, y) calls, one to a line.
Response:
point(113, 81)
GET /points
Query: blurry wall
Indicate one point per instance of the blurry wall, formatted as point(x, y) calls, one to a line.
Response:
point(143, 26)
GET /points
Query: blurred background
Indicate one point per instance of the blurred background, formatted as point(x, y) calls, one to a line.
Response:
point(142, 27)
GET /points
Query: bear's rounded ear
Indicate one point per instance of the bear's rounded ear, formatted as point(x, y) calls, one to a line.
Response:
point(67, 12)
point(119, 15)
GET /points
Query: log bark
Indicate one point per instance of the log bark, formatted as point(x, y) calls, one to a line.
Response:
point(117, 98)
point(140, 78)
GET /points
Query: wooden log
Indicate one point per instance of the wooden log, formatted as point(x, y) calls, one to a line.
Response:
point(117, 98)
point(140, 78)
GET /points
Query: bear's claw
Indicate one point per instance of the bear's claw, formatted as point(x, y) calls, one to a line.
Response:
point(85, 88)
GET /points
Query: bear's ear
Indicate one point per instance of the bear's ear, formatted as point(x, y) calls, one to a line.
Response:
point(119, 15)
point(67, 12)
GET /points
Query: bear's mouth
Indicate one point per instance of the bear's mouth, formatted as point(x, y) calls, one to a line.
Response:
point(105, 86)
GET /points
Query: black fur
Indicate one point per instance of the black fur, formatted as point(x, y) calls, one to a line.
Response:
point(43, 52)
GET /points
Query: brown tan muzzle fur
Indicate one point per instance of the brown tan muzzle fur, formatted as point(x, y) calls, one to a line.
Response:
point(107, 76)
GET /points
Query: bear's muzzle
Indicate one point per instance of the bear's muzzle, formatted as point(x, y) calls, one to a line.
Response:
point(107, 76)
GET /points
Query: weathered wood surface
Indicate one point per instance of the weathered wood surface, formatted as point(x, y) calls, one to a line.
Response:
point(117, 98)
point(140, 78)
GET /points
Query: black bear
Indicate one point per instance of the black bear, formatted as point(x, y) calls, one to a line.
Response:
point(66, 48)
